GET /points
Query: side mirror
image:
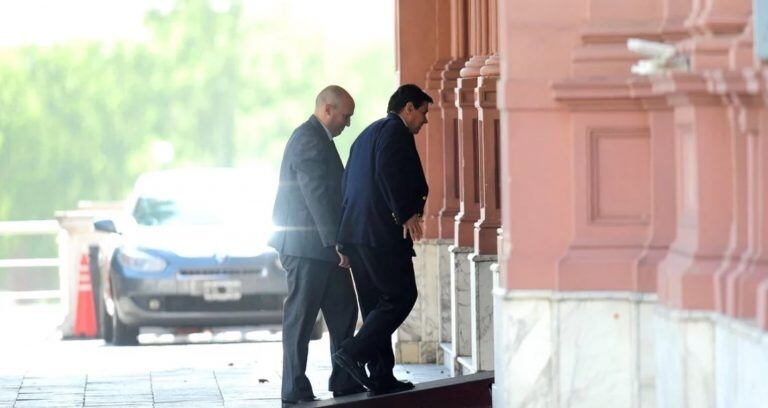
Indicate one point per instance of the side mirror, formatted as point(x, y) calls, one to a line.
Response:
point(105, 226)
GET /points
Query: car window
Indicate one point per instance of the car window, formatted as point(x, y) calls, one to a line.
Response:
point(189, 211)
point(153, 211)
point(201, 201)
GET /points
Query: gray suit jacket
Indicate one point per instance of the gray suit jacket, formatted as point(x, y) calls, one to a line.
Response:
point(308, 203)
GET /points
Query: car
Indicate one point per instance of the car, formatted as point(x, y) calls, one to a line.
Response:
point(191, 252)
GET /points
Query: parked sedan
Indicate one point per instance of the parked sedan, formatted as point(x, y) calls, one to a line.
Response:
point(193, 252)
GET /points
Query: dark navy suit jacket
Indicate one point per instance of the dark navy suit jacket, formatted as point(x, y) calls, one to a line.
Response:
point(308, 203)
point(383, 186)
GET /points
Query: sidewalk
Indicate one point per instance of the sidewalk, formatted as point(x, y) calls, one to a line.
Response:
point(209, 370)
point(234, 387)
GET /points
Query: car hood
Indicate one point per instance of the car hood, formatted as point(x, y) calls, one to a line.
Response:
point(201, 241)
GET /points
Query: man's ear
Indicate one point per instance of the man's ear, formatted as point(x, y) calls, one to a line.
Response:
point(409, 107)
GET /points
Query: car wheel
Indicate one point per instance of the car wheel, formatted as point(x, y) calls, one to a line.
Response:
point(317, 330)
point(106, 326)
point(123, 334)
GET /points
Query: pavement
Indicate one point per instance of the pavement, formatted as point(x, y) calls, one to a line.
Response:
point(237, 367)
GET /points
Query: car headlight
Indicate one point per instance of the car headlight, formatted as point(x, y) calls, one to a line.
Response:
point(141, 261)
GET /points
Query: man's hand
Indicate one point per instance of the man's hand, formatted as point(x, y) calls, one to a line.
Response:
point(343, 260)
point(413, 227)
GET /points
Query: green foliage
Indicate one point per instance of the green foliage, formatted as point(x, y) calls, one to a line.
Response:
point(78, 119)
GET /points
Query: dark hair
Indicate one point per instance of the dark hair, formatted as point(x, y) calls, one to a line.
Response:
point(407, 93)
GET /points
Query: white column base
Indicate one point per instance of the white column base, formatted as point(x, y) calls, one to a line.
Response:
point(461, 345)
point(418, 338)
point(445, 291)
point(481, 312)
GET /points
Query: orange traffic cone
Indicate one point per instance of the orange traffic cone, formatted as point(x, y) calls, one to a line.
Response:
point(85, 320)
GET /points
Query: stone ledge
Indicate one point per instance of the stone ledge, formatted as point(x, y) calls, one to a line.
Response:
point(527, 294)
point(477, 258)
point(460, 249)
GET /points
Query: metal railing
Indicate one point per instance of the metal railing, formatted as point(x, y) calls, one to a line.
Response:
point(32, 227)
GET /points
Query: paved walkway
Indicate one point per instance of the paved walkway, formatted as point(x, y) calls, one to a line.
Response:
point(220, 369)
point(233, 387)
point(188, 388)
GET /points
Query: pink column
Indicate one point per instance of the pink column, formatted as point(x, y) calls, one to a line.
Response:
point(535, 154)
point(449, 118)
point(624, 190)
point(469, 136)
point(661, 125)
point(708, 53)
point(436, 131)
point(486, 234)
point(739, 278)
point(413, 59)
point(740, 284)
point(615, 186)
point(451, 163)
point(612, 200)
point(759, 272)
point(738, 290)
point(738, 251)
point(704, 194)
point(712, 239)
point(435, 154)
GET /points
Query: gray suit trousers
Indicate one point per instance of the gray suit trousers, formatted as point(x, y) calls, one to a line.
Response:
point(315, 285)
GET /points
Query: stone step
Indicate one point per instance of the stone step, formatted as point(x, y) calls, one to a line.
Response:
point(467, 391)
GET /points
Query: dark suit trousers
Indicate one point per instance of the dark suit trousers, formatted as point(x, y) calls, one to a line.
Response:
point(315, 285)
point(386, 289)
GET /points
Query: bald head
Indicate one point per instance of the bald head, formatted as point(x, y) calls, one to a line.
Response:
point(334, 107)
point(332, 94)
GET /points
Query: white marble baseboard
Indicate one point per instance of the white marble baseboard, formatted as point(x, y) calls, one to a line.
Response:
point(570, 350)
point(685, 348)
point(710, 360)
point(601, 349)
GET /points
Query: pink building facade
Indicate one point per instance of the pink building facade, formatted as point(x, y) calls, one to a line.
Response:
point(594, 236)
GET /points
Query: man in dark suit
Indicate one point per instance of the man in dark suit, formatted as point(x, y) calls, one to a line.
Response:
point(307, 213)
point(384, 194)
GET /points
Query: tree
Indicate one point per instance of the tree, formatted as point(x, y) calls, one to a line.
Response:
point(77, 119)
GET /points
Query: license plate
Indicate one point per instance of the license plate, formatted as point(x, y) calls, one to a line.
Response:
point(221, 290)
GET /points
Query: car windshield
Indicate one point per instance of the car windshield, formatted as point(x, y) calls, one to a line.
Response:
point(200, 202)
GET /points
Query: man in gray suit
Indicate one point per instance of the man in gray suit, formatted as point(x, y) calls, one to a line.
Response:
point(307, 213)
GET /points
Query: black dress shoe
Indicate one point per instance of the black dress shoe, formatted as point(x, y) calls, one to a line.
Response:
point(291, 401)
point(390, 387)
point(348, 391)
point(354, 369)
